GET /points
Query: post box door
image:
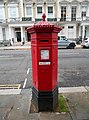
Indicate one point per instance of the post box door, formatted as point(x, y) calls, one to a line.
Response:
point(45, 68)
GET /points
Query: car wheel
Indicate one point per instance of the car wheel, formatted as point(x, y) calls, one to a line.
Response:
point(71, 46)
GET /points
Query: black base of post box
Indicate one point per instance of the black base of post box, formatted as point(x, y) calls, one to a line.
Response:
point(45, 101)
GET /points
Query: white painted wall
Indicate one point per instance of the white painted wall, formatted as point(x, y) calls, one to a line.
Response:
point(7, 33)
point(68, 12)
point(2, 12)
point(69, 33)
point(1, 37)
point(87, 33)
point(21, 8)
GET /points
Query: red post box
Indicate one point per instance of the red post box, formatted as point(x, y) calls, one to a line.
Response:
point(44, 48)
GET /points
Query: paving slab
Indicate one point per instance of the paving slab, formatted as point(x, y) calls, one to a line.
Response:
point(20, 115)
point(78, 105)
point(21, 107)
point(7, 101)
point(16, 48)
point(17, 107)
point(72, 89)
point(4, 113)
point(24, 103)
point(26, 46)
point(54, 116)
point(10, 91)
point(87, 88)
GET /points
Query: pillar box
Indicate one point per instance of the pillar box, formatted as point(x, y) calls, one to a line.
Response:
point(44, 48)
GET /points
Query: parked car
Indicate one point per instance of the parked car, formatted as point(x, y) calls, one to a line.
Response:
point(63, 42)
point(5, 42)
point(85, 43)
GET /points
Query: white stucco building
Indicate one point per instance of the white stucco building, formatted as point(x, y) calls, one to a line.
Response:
point(17, 15)
point(74, 17)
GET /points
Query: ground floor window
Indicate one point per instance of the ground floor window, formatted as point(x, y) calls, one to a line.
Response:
point(70, 31)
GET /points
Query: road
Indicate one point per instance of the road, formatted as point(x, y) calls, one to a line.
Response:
point(15, 66)
point(73, 67)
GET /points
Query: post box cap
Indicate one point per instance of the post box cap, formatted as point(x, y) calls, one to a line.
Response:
point(44, 22)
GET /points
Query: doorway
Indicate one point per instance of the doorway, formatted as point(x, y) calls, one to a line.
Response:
point(28, 37)
point(18, 35)
point(4, 33)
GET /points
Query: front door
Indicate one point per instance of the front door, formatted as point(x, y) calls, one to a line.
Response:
point(28, 37)
point(18, 34)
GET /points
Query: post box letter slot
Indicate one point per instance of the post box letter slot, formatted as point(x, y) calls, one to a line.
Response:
point(44, 40)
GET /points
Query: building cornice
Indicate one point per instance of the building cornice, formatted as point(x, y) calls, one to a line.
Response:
point(64, 2)
point(85, 2)
point(74, 1)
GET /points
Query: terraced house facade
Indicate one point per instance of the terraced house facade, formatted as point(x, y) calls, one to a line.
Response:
point(17, 15)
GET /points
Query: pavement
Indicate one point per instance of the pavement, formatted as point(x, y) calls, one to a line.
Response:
point(15, 104)
point(17, 46)
point(26, 46)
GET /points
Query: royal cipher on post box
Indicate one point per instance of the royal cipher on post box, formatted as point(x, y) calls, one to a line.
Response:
point(44, 49)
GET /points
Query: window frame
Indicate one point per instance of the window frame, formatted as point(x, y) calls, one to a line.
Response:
point(39, 11)
point(13, 6)
point(63, 16)
point(73, 13)
point(30, 15)
point(3, 13)
point(83, 12)
point(50, 15)
point(70, 27)
point(39, 15)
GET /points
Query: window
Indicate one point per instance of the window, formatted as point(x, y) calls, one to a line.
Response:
point(4, 33)
point(61, 37)
point(73, 13)
point(50, 11)
point(29, 11)
point(39, 10)
point(70, 27)
point(70, 31)
point(2, 14)
point(83, 13)
point(13, 12)
point(63, 13)
point(1, 1)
